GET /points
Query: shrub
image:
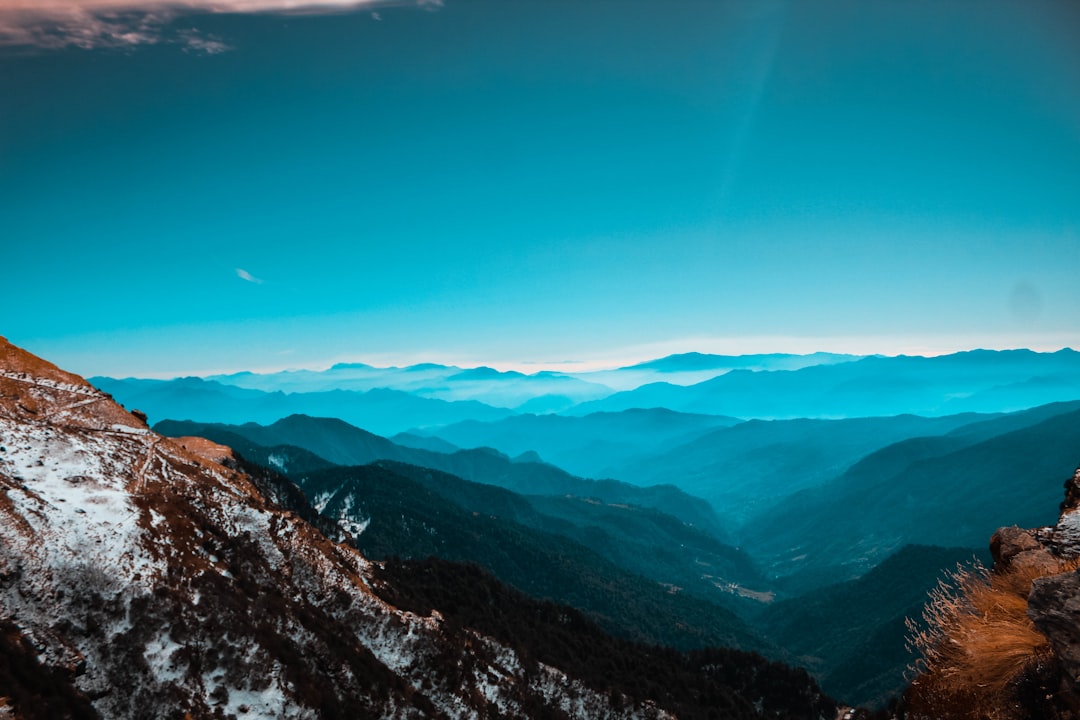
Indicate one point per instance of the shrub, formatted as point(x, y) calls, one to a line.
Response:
point(980, 653)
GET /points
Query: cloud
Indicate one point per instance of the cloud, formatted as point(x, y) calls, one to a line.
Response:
point(245, 275)
point(126, 23)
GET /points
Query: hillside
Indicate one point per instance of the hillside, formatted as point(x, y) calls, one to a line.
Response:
point(393, 515)
point(644, 541)
point(590, 446)
point(924, 490)
point(852, 635)
point(750, 467)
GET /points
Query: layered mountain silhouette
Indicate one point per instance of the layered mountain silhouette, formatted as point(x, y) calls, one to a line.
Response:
point(344, 444)
point(383, 410)
point(950, 490)
point(143, 576)
point(831, 473)
point(507, 389)
point(976, 381)
point(596, 445)
point(397, 516)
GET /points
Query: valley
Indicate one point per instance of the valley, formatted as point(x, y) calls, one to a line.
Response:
point(680, 528)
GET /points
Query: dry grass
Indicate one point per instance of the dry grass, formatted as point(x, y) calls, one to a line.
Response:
point(978, 643)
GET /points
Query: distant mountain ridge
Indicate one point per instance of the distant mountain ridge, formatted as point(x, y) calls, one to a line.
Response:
point(384, 410)
point(821, 385)
point(973, 381)
point(591, 445)
point(344, 444)
point(694, 361)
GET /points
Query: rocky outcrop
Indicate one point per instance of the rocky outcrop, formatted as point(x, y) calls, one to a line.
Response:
point(1016, 547)
point(1054, 607)
point(1054, 602)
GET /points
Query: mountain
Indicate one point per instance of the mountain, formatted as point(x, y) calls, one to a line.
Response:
point(539, 392)
point(694, 361)
point(505, 389)
point(385, 411)
point(696, 684)
point(691, 368)
point(641, 540)
point(975, 381)
point(343, 444)
point(142, 577)
point(589, 446)
point(168, 584)
point(749, 467)
point(949, 491)
point(394, 516)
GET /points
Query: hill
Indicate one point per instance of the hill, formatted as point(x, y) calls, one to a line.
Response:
point(747, 468)
point(591, 445)
point(852, 635)
point(949, 491)
point(393, 516)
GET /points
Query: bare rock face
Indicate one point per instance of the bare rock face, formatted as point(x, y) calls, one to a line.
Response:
point(1054, 607)
point(1054, 601)
point(1016, 547)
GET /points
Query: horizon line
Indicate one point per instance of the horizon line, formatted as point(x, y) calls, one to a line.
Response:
point(566, 367)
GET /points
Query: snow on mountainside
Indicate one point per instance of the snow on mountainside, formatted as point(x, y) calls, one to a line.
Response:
point(161, 582)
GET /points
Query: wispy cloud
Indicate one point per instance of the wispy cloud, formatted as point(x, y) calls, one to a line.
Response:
point(125, 23)
point(245, 275)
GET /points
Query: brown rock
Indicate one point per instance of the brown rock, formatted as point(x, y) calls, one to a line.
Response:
point(1008, 542)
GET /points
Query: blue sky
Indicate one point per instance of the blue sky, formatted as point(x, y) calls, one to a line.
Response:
point(527, 183)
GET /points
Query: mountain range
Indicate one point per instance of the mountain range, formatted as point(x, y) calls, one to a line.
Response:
point(767, 453)
point(342, 444)
point(975, 381)
point(393, 400)
point(143, 576)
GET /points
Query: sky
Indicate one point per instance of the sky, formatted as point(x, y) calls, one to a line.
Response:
point(220, 185)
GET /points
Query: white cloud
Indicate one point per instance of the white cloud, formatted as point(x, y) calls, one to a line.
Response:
point(245, 275)
point(120, 23)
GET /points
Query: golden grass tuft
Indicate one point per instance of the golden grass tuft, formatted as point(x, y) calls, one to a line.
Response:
point(978, 642)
